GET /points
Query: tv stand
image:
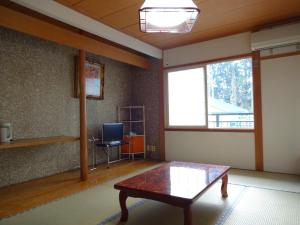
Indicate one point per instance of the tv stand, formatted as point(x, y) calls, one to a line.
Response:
point(107, 149)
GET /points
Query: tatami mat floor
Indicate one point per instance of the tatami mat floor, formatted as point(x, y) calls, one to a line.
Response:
point(255, 198)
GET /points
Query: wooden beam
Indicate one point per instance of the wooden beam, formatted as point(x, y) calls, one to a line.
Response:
point(30, 25)
point(258, 133)
point(83, 120)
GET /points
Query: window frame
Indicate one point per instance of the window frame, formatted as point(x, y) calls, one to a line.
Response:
point(204, 66)
point(166, 95)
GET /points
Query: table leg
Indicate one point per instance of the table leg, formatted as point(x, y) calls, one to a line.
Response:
point(224, 186)
point(124, 211)
point(187, 211)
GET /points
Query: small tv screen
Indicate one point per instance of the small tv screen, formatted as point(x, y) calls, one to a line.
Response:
point(112, 132)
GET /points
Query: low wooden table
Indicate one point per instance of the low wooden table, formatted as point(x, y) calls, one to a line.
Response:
point(176, 183)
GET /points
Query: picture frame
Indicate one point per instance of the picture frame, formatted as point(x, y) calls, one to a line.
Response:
point(94, 74)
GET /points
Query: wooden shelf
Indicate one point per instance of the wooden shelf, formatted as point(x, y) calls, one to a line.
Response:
point(37, 141)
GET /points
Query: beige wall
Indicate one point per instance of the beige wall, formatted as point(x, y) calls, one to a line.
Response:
point(213, 49)
point(281, 110)
point(235, 149)
point(281, 114)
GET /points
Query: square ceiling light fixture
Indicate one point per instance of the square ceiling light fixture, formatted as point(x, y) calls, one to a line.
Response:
point(168, 16)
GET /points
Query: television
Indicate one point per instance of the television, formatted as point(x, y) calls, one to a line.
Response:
point(112, 132)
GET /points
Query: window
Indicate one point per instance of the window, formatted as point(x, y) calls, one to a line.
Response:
point(187, 98)
point(217, 95)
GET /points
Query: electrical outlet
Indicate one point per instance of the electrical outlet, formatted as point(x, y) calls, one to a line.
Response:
point(153, 148)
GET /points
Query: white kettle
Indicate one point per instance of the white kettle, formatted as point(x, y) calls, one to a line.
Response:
point(5, 132)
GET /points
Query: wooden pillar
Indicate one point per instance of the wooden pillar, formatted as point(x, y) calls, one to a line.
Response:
point(259, 160)
point(83, 120)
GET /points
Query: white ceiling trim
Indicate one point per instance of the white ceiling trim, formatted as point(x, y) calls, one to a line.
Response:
point(64, 14)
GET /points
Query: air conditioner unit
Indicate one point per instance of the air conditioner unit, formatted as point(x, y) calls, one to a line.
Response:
point(276, 37)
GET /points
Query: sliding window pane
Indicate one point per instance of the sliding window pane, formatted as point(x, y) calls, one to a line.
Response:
point(186, 93)
point(230, 94)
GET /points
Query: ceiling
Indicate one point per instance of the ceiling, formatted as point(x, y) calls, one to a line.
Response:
point(217, 18)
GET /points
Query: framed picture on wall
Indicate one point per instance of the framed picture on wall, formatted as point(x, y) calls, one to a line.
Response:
point(94, 79)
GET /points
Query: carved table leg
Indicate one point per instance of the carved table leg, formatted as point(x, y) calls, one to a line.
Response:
point(124, 211)
point(224, 186)
point(187, 215)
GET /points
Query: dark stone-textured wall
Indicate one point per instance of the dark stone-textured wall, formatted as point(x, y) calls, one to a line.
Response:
point(146, 91)
point(36, 96)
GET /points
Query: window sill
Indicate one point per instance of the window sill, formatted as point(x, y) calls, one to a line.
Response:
point(211, 130)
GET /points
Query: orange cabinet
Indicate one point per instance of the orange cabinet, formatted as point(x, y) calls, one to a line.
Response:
point(136, 144)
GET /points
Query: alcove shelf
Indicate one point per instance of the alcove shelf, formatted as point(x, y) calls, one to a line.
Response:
point(37, 141)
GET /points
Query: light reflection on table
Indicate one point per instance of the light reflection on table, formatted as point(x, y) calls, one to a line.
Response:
point(185, 182)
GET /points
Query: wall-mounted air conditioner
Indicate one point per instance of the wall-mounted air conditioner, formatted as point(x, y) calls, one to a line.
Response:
point(276, 37)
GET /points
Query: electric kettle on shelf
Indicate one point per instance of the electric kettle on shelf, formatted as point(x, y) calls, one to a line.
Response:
point(5, 132)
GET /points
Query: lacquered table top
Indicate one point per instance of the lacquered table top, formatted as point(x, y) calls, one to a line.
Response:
point(179, 179)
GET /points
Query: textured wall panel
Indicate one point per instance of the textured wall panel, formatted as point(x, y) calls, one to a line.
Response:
point(145, 91)
point(36, 96)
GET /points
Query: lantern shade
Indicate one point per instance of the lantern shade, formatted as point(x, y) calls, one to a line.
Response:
point(168, 16)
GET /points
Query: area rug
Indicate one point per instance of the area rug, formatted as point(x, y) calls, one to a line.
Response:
point(244, 206)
